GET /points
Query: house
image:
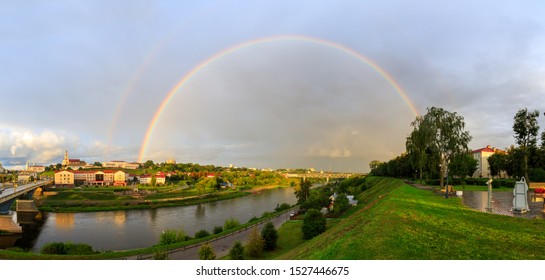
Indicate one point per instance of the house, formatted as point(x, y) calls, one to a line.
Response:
point(160, 178)
point(351, 200)
point(26, 176)
point(482, 155)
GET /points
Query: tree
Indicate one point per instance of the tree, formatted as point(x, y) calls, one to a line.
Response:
point(463, 166)
point(340, 204)
point(206, 252)
point(269, 235)
point(526, 129)
point(417, 144)
point(374, 164)
point(448, 136)
point(302, 191)
point(254, 248)
point(237, 251)
point(513, 166)
point(149, 164)
point(313, 224)
point(98, 164)
point(498, 163)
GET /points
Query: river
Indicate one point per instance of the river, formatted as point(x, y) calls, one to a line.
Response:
point(131, 229)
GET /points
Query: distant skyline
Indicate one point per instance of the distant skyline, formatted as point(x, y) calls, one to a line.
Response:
point(266, 84)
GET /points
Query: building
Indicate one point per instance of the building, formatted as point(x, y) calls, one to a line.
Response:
point(35, 168)
point(26, 176)
point(170, 161)
point(160, 178)
point(69, 178)
point(64, 178)
point(482, 155)
point(74, 164)
point(120, 164)
point(2, 170)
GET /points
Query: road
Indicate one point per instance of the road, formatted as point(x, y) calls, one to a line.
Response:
point(221, 245)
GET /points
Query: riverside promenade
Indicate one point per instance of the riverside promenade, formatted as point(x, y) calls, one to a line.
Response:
point(502, 202)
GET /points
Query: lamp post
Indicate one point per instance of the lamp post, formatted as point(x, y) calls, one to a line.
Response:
point(446, 186)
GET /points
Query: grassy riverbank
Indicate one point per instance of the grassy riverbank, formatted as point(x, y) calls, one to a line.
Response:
point(93, 199)
point(397, 221)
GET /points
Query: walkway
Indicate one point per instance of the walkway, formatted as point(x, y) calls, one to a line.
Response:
point(502, 202)
point(220, 245)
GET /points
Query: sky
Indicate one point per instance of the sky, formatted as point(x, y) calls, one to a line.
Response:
point(330, 85)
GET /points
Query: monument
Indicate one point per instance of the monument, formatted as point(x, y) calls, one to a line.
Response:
point(520, 201)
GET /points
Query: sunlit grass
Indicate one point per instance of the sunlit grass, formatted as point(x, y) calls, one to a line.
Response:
point(407, 223)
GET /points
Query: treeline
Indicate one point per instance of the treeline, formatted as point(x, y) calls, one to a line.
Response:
point(439, 140)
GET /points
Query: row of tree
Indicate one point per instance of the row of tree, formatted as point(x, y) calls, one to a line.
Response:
point(439, 139)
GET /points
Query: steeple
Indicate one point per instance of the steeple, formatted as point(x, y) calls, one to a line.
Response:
point(65, 161)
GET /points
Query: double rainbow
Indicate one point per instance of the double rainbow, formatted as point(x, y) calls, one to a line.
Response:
point(266, 40)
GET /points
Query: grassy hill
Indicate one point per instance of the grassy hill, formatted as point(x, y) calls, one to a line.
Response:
point(397, 221)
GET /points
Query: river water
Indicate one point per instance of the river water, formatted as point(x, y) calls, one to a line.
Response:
point(130, 229)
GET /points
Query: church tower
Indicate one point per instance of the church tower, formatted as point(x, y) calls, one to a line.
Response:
point(65, 161)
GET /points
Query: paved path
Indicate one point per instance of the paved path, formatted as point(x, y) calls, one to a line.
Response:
point(502, 202)
point(221, 245)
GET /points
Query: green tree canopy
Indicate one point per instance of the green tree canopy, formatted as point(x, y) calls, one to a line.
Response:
point(526, 129)
point(449, 137)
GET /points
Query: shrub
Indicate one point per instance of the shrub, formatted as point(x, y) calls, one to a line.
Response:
point(269, 235)
point(217, 229)
point(281, 207)
point(60, 248)
point(313, 224)
point(254, 218)
point(266, 214)
point(231, 223)
point(496, 184)
point(160, 255)
point(255, 244)
point(206, 252)
point(237, 252)
point(202, 234)
point(171, 236)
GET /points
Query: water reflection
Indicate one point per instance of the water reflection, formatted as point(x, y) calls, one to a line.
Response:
point(142, 228)
point(64, 220)
point(501, 203)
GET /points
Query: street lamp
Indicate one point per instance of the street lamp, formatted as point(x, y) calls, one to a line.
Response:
point(446, 186)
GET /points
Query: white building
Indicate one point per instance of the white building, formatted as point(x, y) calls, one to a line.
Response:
point(482, 155)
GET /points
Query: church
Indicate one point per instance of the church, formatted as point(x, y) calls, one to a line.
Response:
point(75, 164)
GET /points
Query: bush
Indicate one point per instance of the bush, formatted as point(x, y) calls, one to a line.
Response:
point(255, 244)
point(217, 229)
point(160, 255)
point(202, 234)
point(206, 252)
point(313, 224)
point(269, 235)
point(60, 248)
point(253, 219)
point(281, 207)
point(266, 214)
point(237, 252)
point(171, 236)
point(496, 184)
point(231, 223)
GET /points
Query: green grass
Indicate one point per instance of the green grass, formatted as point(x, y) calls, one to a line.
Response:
point(401, 222)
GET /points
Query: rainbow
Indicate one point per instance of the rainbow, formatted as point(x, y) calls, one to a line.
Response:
point(265, 40)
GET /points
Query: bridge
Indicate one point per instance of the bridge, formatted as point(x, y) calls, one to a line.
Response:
point(8, 195)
